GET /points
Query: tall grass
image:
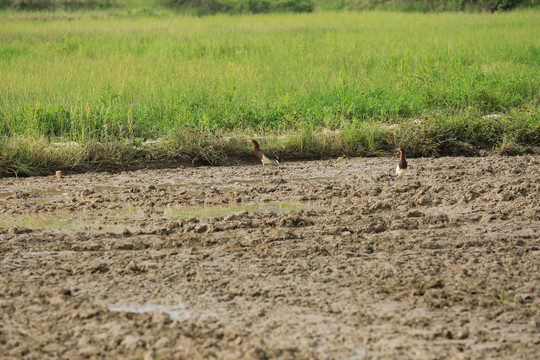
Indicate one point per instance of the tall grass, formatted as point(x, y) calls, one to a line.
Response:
point(96, 77)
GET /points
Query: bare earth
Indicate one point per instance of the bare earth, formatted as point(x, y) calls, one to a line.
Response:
point(326, 259)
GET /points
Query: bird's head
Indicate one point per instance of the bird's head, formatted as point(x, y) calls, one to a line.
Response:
point(401, 150)
point(255, 143)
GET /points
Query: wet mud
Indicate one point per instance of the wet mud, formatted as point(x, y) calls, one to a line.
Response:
point(326, 259)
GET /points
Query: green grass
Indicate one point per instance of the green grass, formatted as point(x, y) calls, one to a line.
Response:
point(103, 77)
point(205, 7)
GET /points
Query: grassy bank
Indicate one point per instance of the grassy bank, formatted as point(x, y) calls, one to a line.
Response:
point(511, 134)
point(314, 84)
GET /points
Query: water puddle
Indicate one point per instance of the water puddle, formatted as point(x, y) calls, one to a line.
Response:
point(63, 225)
point(35, 196)
point(358, 354)
point(128, 213)
point(206, 211)
point(114, 221)
point(176, 312)
point(278, 208)
point(50, 223)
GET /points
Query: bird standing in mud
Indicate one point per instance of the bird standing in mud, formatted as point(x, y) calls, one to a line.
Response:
point(263, 156)
point(401, 167)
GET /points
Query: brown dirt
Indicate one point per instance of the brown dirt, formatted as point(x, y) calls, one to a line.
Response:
point(346, 264)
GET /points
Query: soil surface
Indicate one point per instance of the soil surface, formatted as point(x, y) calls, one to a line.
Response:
point(326, 259)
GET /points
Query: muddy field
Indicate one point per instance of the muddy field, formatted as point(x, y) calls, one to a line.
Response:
point(327, 259)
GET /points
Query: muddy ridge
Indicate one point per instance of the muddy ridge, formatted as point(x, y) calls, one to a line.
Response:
point(326, 259)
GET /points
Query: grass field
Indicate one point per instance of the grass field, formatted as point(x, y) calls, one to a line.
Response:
point(320, 84)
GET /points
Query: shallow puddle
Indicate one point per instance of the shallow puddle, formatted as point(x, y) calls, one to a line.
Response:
point(62, 224)
point(68, 223)
point(36, 196)
point(50, 223)
point(208, 211)
point(176, 312)
point(278, 208)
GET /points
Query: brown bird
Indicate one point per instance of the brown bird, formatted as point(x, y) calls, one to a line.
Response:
point(262, 155)
point(401, 167)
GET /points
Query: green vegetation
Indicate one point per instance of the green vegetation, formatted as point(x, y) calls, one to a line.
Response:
point(426, 5)
point(204, 7)
point(320, 84)
point(60, 4)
